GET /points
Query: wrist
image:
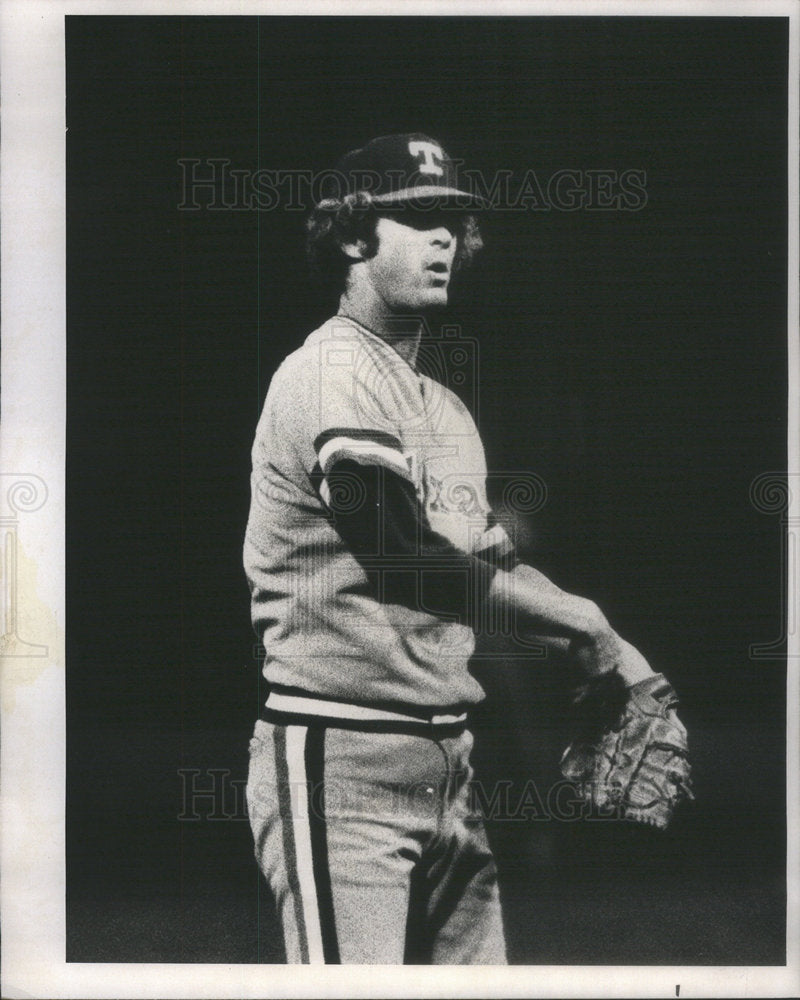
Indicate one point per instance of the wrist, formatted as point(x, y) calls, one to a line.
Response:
point(597, 649)
point(633, 667)
point(594, 632)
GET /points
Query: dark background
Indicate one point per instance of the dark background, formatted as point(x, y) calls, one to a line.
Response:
point(635, 361)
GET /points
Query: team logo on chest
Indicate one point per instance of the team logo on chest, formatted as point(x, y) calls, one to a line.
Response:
point(454, 497)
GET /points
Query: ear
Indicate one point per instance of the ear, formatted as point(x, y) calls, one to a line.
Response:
point(355, 250)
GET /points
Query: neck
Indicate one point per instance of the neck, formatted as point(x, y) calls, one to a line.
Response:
point(403, 333)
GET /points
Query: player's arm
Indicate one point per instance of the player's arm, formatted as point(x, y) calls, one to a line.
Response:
point(574, 624)
point(365, 481)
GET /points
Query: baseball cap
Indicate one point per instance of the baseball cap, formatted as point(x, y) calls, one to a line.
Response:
point(411, 168)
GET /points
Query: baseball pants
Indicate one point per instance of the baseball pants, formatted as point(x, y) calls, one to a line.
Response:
point(371, 845)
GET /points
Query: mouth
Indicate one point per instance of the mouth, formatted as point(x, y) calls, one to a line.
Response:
point(439, 269)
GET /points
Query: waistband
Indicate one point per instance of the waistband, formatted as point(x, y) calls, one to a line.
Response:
point(301, 709)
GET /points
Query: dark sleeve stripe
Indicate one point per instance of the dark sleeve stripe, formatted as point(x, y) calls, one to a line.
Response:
point(363, 452)
point(358, 433)
point(406, 561)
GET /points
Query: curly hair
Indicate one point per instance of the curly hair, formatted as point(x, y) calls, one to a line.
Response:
point(353, 218)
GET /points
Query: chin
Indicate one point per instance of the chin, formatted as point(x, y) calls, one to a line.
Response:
point(435, 298)
point(420, 301)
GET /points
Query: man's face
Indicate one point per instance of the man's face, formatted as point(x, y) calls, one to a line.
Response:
point(413, 264)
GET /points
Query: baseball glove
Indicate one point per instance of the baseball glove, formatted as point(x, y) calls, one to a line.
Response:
point(629, 754)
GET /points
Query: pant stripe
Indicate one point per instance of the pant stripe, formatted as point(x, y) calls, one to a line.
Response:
point(287, 825)
point(315, 772)
point(295, 759)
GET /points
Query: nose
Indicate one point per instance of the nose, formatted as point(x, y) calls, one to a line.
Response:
point(441, 236)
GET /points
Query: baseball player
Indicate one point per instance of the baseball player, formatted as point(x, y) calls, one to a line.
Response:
point(372, 557)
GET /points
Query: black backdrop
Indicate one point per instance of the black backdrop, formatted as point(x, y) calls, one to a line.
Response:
point(635, 361)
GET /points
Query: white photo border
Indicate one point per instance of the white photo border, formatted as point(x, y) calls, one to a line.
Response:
point(32, 449)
